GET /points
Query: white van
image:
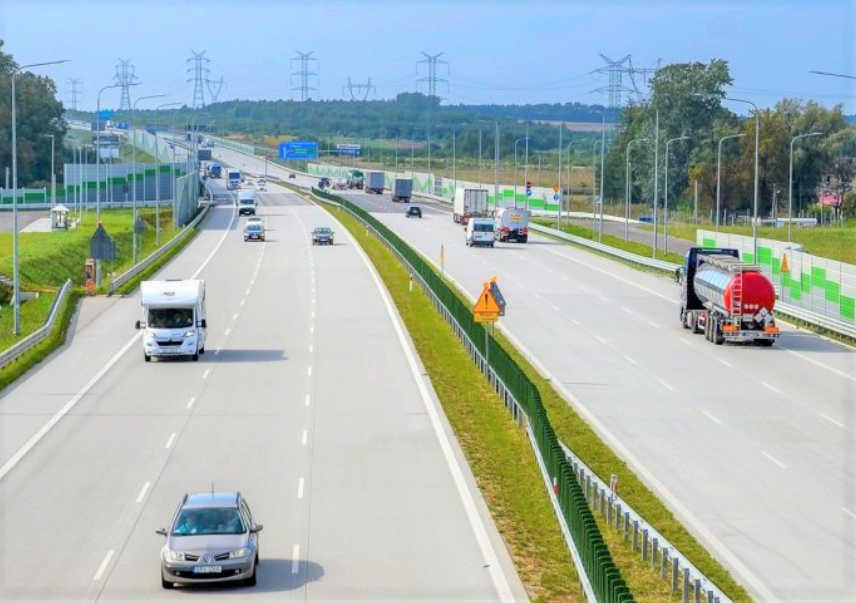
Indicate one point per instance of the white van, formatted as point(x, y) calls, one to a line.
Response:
point(480, 231)
point(173, 318)
point(247, 203)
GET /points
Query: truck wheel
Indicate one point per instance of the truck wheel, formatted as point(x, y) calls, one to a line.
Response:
point(684, 320)
point(693, 320)
point(767, 343)
point(718, 338)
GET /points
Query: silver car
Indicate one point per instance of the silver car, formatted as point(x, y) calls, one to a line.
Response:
point(212, 538)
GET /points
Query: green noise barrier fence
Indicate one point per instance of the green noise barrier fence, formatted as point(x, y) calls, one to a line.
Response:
point(520, 395)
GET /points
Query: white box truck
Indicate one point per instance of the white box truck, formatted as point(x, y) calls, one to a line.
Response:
point(173, 322)
point(469, 203)
point(233, 179)
point(512, 224)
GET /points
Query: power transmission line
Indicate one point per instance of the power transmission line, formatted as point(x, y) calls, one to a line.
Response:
point(303, 73)
point(200, 76)
point(359, 88)
point(125, 78)
point(616, 70)
point(76, 92)
point(432, 79)
point(219, 86)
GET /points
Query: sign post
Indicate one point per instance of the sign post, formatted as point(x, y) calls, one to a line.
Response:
point(489, 306)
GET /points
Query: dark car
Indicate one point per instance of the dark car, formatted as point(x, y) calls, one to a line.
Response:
point(212, 538)
point(322, 236)
point(413, 211)
point(254, 231)
point(324, 183)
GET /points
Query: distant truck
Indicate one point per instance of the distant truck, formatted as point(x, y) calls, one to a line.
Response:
point(512, 224)
point(469, 203)
point(233, 179)
point(356, 179)
point(173, 321)
point(725, 298)
point(215, 170)
point(375, 183)
point(402, 190)
point(203, 154)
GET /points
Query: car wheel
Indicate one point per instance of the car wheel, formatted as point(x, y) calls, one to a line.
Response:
point(167, 584)
point(251, 581)
point(195, 356)
point(147, 357)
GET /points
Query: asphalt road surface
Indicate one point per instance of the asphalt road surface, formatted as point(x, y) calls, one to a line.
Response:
point(754, 449)
point(309, 401)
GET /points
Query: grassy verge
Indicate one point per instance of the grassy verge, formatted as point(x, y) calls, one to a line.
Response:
point(157, 264)
point(578, 435)
point(24, 363)
point(34, 313)
point(497, 450)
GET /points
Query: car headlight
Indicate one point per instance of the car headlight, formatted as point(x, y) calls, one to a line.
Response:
point(190, 333)
point(174, 556)
point(238, 553)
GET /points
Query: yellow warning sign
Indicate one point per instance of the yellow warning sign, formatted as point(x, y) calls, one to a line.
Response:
point(784, 267)
point(486, 308)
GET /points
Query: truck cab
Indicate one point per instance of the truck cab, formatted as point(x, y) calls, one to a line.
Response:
point(233, 179)
point(173, 318)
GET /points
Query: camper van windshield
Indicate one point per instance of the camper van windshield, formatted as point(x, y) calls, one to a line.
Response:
point(483, 227)
point(170, 318)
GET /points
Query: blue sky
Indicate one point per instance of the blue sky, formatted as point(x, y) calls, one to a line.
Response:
point(497, 52)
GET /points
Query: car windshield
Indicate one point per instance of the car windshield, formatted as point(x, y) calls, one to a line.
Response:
point(254, 227)
point(217, 520)
point(170, 318)
point(483, 227)
point(322, 231)
point(247, 201)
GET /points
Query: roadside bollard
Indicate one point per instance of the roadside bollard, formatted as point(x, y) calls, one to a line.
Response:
point(675, 569)
point(697, 591)
point(654, 545)
point(645, 544)
point(635, 535)
point(618, 516)
point(410, 283)
point(626, 526)
point(686, 596)
point(602, 503)
point(665, 562)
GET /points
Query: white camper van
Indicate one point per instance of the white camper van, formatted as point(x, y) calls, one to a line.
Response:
point(173, 318)
point(480, 232)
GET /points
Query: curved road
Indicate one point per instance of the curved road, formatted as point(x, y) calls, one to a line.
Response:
point(362, 491)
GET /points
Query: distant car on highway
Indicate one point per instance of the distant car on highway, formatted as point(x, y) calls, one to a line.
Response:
point(322, 236)
point(247, 203)
point(413, 211)
point(261, 185)
point(340, 184)
point(292, 175)
point(324, 183)
point(254, 231)
point(212, 538)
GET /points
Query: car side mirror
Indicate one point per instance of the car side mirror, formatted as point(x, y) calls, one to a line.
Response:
point(203, 323)
point(257, 528)
point(161, 531)
point(139, 325)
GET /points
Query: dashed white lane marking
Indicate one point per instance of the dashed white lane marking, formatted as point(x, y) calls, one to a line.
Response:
point(849, 512)
point(311, 347)
point(242, 301)
point(103, 565)
point(555, 309)
point(684, 341)
point(768, 386)
point(206, 373)
point(600, 339)
point(774, 460)
point(664, 384)
point(629, 359)
point(311, 329)
point(307, 399)
point(313, 314)
point(711, 417)
point(831, 420)
point(300, 488)
point(228, 331)
point(143, 492)
point(725, 362)
point(628, 310)
point(170, 441)
point(304, 437)
point(309, 372)
point(192, 400)
point(295, 558)
point(653, 324)
point(584, 288)
point(235, 316)
point(248, 292)
point(217, 351)
point(576, 322)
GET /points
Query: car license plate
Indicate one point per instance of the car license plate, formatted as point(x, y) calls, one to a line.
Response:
point(208, 569)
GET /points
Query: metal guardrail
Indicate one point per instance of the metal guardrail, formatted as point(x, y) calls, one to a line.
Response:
point(140, 266)
point(813, 318)
point(36, 337)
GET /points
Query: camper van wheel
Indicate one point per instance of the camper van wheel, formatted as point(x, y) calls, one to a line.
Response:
point(195, 356)
point(147, 357)
point(202, 350)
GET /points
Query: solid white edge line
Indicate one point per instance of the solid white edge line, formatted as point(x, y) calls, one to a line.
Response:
point(295, 558)
point(22, 452)
point(103, 565)
point(831, 420)
point(304, 437)
point(300, 488)
point(192, 400)
point(170, 441)
point(488, 553)
point(143, 492)
point(711, 417)
point(773, 459)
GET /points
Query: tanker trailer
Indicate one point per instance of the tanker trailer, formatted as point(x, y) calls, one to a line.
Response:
point(725, 298)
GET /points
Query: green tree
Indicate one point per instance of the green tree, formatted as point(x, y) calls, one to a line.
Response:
point(38, 114)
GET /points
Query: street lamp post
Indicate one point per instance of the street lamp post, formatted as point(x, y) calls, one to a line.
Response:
point(602, 174)
point(656, 178)
point(628, 187)
point(171, 175)
point(594, 179)
point(134, 172)
point(755, 196)
point(719, 172)
point(98, 151)
point(791, 179)
point(526, 166)
point(515, 167)
point(16, 285)
point(666, 194)
point(53, 167)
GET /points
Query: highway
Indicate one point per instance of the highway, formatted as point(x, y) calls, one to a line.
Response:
point(753, 448)
point(362, 489)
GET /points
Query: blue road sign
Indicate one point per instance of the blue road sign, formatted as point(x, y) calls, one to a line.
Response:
point(106, 114)
point(555, 196)
point(528, 192)
point(298, 149)
point(349, 150)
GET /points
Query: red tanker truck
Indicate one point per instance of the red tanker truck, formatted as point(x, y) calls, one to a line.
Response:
point(725, 298)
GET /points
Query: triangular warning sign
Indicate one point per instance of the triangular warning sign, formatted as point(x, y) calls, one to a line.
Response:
point(784, 267)
point(486, 302)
